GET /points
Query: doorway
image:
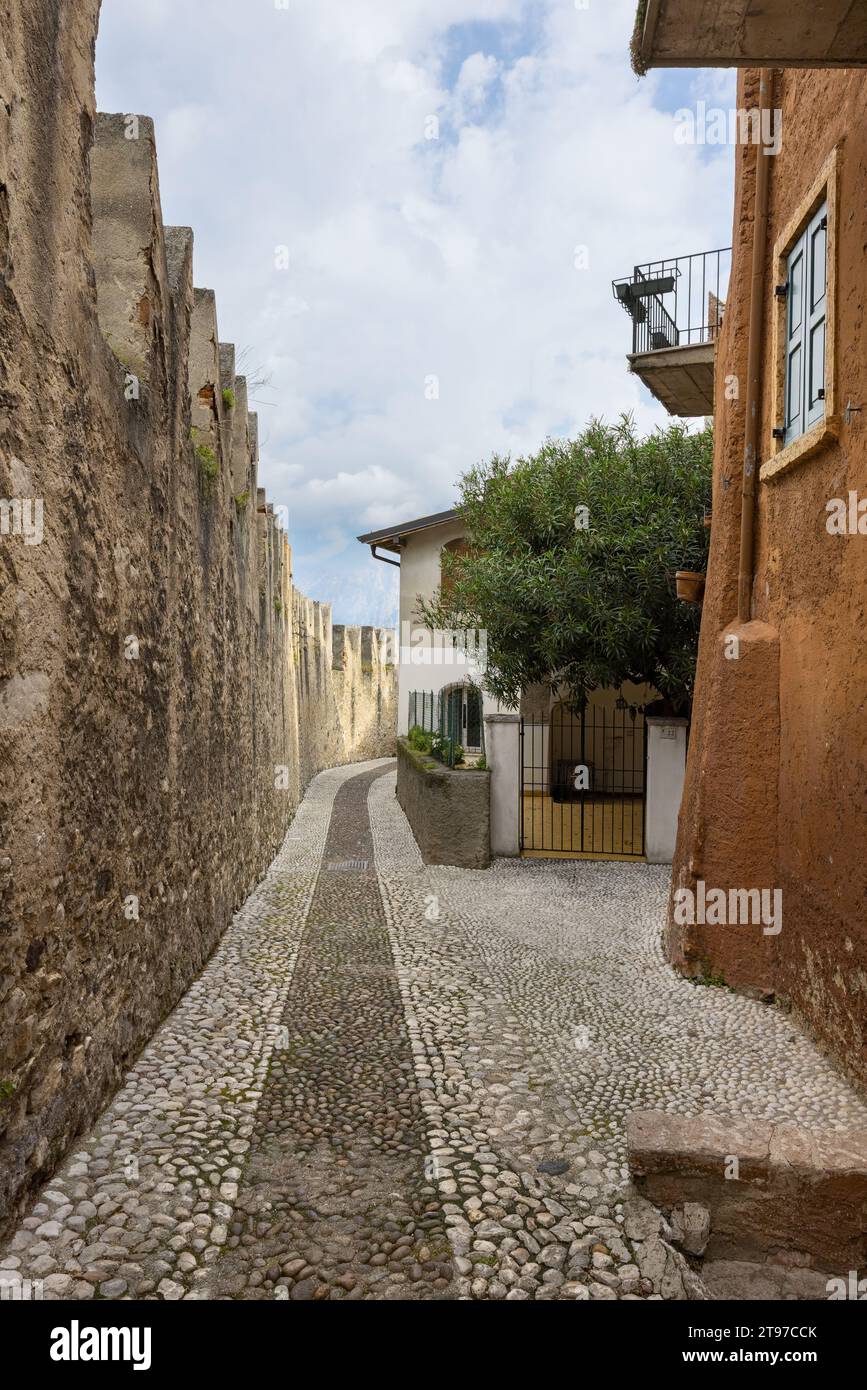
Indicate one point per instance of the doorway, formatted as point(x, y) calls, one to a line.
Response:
point(462, 712)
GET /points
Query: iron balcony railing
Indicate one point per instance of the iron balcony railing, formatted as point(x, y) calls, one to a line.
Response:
point(677, 302)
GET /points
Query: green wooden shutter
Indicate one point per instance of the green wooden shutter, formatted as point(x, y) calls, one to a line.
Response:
point(797, 275)
point(454, 712)
point(815, 313)
point(805, 339)
point(474, 718)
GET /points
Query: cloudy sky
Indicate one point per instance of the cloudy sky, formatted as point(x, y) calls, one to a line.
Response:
point(411, 212)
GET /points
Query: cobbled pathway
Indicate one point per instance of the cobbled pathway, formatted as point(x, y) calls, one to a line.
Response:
point(334, 1194)
point(394, 1081)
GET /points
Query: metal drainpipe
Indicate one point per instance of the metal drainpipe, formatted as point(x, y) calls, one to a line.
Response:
point(384, 558)
point(754, 359)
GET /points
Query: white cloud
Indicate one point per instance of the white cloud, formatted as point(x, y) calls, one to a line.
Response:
point(477, 76)
point(413, 257)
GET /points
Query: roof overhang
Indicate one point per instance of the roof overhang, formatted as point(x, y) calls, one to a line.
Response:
point(750, 33)
point(392, 537)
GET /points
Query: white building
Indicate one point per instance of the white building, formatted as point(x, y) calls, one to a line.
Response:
point(431, 664)
point(591, 783)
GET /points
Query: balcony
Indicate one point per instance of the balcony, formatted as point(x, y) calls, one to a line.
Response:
point(750, 33)
point(676, 307)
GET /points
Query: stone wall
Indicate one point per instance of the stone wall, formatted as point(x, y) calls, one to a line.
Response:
point(777, 767)
point(346, 689)
point(165, 693)
point(797, 1199)
point(449, 809)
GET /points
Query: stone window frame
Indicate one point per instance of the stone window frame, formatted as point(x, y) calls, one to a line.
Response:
point(781, 456)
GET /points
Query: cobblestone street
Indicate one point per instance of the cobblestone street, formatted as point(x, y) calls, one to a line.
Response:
point(395, 1081)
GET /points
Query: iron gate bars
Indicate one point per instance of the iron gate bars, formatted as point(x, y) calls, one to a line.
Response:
point(447, 714)
point(582, 779)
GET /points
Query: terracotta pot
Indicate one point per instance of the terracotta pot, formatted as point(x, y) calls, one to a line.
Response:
point(690, 586)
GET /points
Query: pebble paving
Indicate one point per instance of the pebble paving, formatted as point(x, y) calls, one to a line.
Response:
point(395, 1081)
point(335, 1203)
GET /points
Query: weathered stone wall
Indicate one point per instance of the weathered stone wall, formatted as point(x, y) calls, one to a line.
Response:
point(347, 690)
point(777, 768)
point(449, 809)
point(165, 693)
point(799, 1197)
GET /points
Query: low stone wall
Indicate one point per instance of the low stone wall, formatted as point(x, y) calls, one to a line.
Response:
point(771, 1191)
point(448, 809)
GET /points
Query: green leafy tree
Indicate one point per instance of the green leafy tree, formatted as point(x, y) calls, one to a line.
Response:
point(570, 559)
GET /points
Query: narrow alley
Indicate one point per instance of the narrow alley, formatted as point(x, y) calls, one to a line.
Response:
point(400, 1081)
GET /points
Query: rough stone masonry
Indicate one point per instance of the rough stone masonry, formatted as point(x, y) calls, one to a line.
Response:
point(165, 692)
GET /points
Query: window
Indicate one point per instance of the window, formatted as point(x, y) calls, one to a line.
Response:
point(457, 547)
point(805, 337)
point(804, 417)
